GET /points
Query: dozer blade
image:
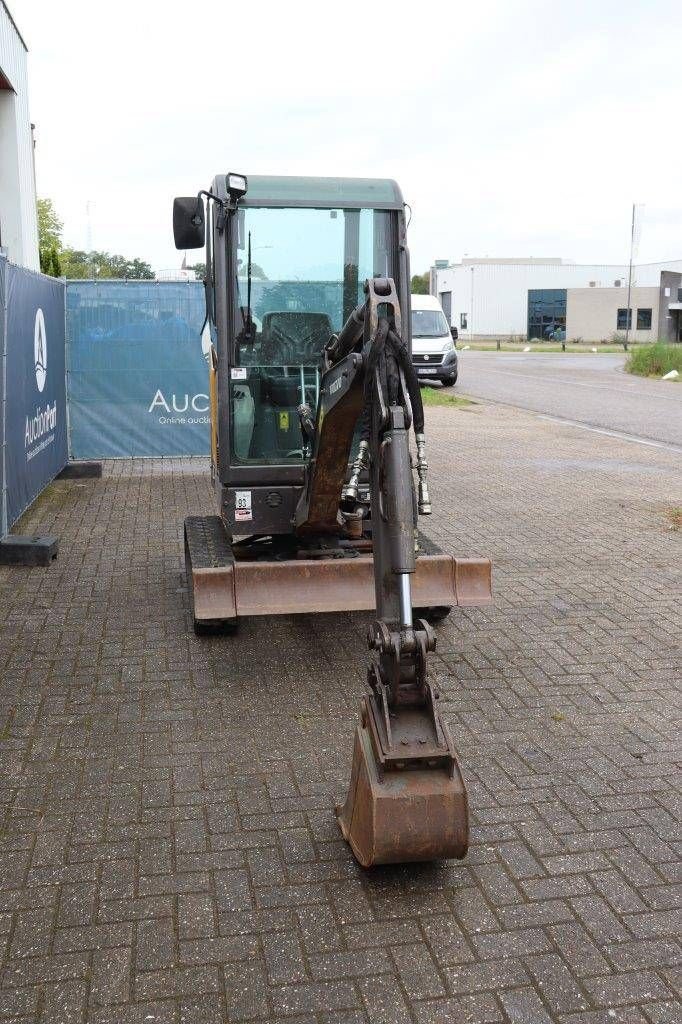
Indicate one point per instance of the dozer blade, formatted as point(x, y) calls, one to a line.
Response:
point(223, 588)
point(402, 815)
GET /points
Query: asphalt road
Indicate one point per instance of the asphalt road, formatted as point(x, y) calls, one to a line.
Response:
point(590, 390)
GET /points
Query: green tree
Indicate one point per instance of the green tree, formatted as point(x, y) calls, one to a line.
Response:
point(49, 235)
point(56, 266)
point(420, 284)
point(58, 261)
point(199, 269)
point(78, 264)
point(49, 225)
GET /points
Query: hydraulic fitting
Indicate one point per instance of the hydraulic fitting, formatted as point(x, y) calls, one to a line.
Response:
point(424, 501)
point(349, 494)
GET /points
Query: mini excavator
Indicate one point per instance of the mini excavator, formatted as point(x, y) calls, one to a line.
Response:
point(313, 396)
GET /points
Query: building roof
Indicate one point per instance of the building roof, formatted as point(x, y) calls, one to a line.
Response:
point(14, 24)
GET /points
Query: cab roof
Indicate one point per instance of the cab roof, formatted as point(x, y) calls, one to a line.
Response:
point(331, 193)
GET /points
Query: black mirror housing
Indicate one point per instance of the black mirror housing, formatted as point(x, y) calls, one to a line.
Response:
point(189, 223)
point(454, 333)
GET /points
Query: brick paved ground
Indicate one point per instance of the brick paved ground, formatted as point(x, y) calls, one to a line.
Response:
point(168, 846)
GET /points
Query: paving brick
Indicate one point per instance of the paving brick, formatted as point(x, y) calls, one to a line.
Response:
point(418, 972)
point(654, 923)
point(519, 860)
point(156, 945)
point(384, 1001)
point(556, 984)
point(36, 970)
point(385, 933)
point(178, 981)
point(655, 953)
point(19, 1002)
point(32, 934)
point(183, 862)
point(600, 921)
point(520, 942)
point(314, 996)
point(578, 950)
point(202, 1010)
point(478, 1009)
point(196, 916)
point(96, 936)
point(110, 978)
point(233, 890)
point(351, 964)
point(219, 949)
point(64, 1003)
point(633, 987)
point(524, 1006)
point(663, 1013)
point(284, 958)
point(246, 991)
point(491, 976)
point(319, 929)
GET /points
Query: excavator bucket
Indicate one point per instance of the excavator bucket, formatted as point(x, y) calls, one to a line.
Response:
point(406, 813)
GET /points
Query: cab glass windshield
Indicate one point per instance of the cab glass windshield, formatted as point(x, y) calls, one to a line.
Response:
point(429, 323)
point(300, 273)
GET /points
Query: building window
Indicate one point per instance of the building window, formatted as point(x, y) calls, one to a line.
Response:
point(463, 321)
point(624, 321)
point(546, 312)
point(643, 319)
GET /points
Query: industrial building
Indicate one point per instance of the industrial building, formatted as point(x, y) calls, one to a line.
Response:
point(535, 298)
point(18, 215)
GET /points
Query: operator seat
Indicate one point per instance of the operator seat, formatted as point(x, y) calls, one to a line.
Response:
point(294, 338)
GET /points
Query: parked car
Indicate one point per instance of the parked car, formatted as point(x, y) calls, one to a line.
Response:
point(434, 355)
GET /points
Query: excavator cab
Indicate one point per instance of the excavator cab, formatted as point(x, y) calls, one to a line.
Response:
point(313, 396)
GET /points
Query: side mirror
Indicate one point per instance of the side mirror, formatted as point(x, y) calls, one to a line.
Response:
point(189, 228)
point(454, 333)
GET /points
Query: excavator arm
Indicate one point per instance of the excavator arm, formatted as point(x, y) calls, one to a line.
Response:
point(407, 799)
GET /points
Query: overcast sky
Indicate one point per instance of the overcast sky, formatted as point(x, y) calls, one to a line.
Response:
point(514, 127)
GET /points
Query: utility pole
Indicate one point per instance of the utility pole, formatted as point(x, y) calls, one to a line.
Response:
point(628, 313)
point(471, 322)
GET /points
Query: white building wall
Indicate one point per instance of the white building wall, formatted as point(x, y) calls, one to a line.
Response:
point(18, 216)
point(494, 295)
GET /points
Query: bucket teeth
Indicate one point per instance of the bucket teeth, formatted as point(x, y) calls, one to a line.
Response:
point(396, 816)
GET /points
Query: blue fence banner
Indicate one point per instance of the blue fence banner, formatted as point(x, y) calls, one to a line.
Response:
point(137, 375)
point(35, 442)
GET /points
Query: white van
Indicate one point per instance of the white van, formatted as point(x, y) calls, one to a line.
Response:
point(434, 355)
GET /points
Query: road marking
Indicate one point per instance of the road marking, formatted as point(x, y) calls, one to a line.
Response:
point(611, 433)
point(581, 384)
